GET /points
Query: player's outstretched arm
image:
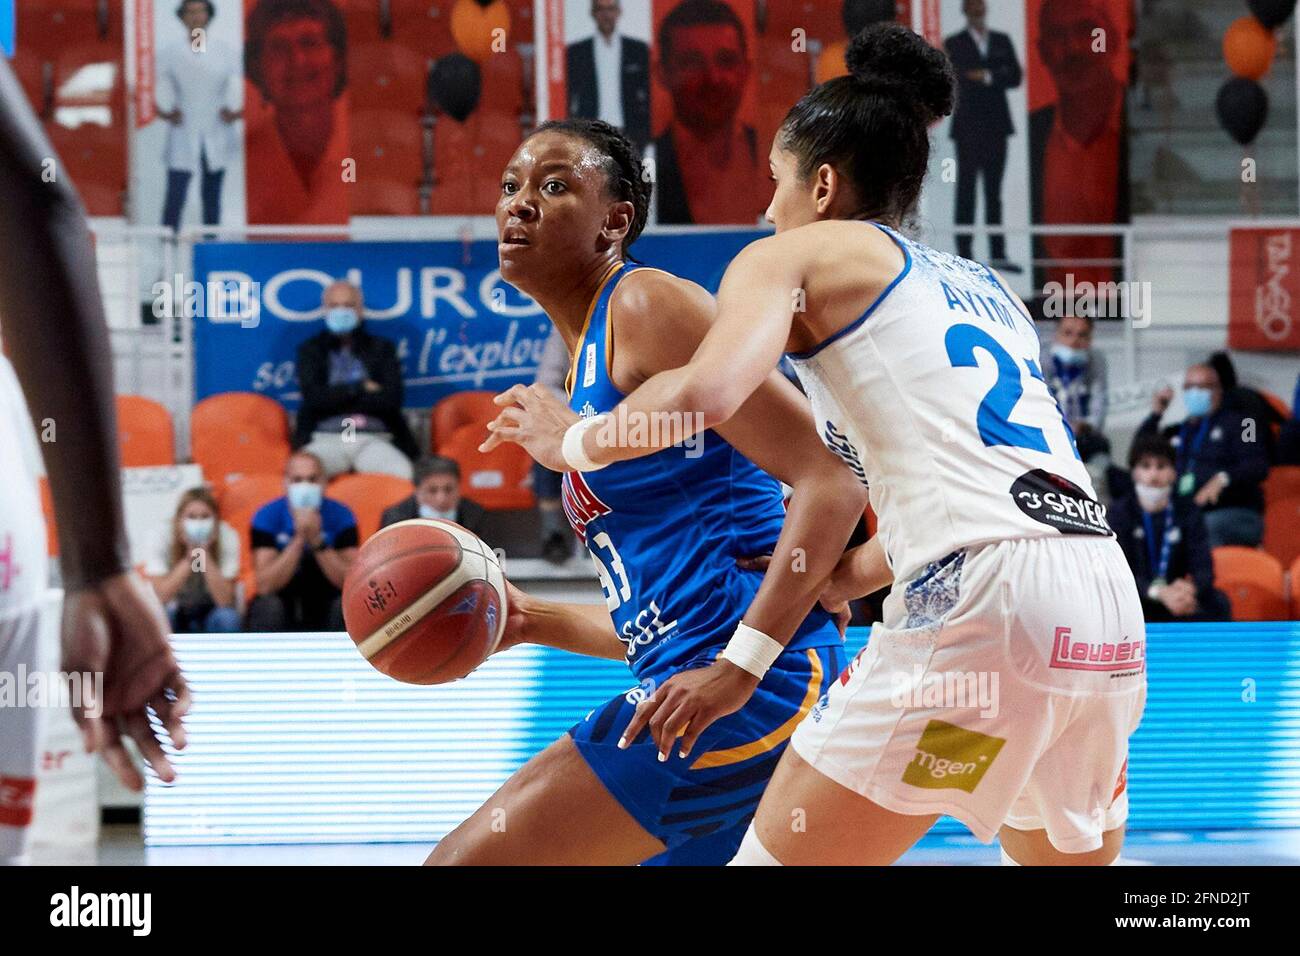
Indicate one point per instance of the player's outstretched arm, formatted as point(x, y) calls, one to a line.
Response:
point(580, 628)
point(54, 330)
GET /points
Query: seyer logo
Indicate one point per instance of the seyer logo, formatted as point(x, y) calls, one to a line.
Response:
point(1052, 500)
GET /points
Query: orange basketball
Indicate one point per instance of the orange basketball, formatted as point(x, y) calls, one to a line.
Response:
point(425, 601)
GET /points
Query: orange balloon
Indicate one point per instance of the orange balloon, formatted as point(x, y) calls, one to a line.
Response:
point(1248, 47)
point(831, 62)
point(480, 31)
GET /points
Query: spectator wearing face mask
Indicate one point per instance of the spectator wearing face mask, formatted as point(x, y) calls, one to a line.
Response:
point(1219, 456)
point(303, 545)
point(195, 566)
point(1165, 541)
point(1076, 374)
point(437, 495)
point(351, 413)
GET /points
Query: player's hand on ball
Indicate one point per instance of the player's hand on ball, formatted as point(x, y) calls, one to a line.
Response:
point(535, 419)
point(117, 628)
point(517, 609)
point(687, 703)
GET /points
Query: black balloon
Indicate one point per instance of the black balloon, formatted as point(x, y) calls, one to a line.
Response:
point(455, 84)
point(1272, 13)
point(1242, 106)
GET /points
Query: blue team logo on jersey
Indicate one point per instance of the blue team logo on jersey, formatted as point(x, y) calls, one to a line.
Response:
point(839, 443)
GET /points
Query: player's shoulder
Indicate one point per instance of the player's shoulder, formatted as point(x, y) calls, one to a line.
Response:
point(659, 303)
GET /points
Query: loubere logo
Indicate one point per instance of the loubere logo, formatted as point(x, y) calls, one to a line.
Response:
point(1083, 655)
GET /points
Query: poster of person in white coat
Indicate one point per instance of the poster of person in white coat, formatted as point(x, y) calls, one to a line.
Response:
point(199, 91)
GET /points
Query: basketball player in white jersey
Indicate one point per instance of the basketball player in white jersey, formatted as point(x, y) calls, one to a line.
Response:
point(53, 330)
point(1009, 671)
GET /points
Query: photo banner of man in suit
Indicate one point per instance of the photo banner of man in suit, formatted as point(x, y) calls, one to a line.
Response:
point(979, 170)
point(607, 64)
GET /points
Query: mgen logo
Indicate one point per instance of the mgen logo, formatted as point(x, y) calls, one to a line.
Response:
point(949, 757)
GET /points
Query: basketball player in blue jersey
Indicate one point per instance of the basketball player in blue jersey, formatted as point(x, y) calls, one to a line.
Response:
point(922, 371)
point(665, 534)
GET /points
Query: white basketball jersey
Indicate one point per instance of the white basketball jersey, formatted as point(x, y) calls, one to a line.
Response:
point(935, 400)
point(23, 562)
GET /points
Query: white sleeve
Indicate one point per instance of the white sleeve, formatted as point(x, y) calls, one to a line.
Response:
point(229, 552)
point(160, 556)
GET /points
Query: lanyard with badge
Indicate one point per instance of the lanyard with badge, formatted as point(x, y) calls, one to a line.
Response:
point(1159, 565)
point(1187, 475)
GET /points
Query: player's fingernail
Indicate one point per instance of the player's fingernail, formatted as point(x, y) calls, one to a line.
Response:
point(663, 757)
point(622, 743)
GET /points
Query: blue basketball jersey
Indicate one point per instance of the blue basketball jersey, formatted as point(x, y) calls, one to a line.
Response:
point(664, 531)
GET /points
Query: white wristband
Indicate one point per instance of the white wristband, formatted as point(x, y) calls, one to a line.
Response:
point(751, 650)
point(574, 454)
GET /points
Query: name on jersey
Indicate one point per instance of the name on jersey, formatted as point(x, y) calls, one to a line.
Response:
point(1052, 500)
point(983, 306)
point(581, 506)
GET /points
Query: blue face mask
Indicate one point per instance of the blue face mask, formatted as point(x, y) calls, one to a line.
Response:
point(1197, 401)
point(305, 494)
point(1069, 356)
point(341, 319)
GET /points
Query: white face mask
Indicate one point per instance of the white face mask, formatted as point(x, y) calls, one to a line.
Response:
point(1151, 497)
point(197, 530)
point(1069, 356)
point(428, 512)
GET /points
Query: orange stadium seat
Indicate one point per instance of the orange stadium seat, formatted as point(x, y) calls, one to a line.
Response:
point(144, 432)
point(1295, 589)
point(368, 495)
point(1283, 481)
point(1282, 529)
point(1280, 406)
point(249, 493)
point(1253, 581)
point(247, 408)
point(51, 529)
point(458, 410)
point(498, 480)
point(242, 521)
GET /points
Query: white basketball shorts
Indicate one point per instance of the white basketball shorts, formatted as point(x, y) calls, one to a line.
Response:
point(1001, 689)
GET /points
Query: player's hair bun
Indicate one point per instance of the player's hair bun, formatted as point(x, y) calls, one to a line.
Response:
point(891, 58)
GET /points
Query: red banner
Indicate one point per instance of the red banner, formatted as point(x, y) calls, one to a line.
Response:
point(1264, 289)
point(144, 64)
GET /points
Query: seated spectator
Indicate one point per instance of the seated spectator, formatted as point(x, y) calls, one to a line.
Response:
point(1288, 443)
point(303, 545)
point(195, 567)
point(1249, 401)
point(351, 414)
point(437, 495)
point(1110, 481)
point(1076, 374)
point(1219, 457)
point(1164, 539)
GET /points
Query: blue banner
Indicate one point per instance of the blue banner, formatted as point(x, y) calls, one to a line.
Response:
point(457, 325)
point(7, 27)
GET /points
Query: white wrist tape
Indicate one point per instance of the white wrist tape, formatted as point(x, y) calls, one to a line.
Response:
point(574, 454)
point(752, 650)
